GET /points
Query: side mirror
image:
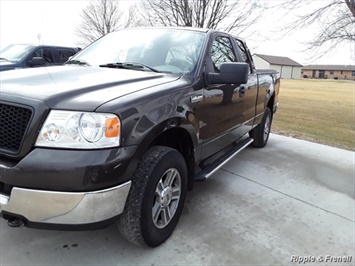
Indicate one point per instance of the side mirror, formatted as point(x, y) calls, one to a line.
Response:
point(230, 73)
point(37, 61)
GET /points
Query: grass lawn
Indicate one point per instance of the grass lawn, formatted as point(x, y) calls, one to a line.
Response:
point(321, 111)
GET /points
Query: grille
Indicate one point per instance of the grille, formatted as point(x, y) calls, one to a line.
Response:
point(13, 124)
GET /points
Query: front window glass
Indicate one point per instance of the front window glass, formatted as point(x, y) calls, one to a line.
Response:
point(167, 50)
point(15, 52)
point(221, 52)
point(45, 53)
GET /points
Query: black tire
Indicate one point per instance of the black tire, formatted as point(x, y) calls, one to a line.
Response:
point(261, 132)
point(150, 179)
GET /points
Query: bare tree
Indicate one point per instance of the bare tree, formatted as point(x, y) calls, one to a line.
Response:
point(132, 19)
point(336, 19)
point(101, 17)
point(230, 15)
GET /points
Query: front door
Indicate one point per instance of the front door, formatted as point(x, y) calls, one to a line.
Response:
point(321, 74)
point(222, 112)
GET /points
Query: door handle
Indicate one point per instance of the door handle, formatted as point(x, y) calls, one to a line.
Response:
point(242, 90)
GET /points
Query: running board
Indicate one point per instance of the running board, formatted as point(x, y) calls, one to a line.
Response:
point(213, 167)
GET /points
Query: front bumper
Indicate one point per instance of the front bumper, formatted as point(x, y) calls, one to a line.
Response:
point(68, 170)
point(66, 208)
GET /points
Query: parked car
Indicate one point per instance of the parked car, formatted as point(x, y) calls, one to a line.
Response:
point(125, 127)
point(27, 55)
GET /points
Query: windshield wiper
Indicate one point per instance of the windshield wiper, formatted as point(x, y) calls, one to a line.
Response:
point(3, 58)
point(77, 62)
point(138, 66)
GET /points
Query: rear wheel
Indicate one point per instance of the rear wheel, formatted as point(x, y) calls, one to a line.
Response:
point(156, 198)
point(261, 133)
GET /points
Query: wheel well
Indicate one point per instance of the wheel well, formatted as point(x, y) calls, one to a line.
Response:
point(271, 102)
point(179, 139)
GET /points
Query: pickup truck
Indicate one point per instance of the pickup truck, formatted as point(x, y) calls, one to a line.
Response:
point(123, 129)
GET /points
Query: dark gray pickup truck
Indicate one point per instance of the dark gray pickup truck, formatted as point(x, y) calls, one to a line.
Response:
point(122, 130)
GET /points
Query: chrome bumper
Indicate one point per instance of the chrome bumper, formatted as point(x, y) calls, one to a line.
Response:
point(66, 207)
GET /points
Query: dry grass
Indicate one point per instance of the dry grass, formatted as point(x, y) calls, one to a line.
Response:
point(322, 111)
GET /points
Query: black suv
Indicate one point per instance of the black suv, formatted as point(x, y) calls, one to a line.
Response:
point(27, 55)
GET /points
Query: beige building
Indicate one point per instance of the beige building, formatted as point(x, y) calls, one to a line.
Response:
point(329, 72)
point(288, 68)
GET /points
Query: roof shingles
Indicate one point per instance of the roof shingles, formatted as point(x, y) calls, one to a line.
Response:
point(279, 60)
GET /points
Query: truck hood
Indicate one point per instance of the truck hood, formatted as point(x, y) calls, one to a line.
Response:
point(7, 65)
point(77, 87)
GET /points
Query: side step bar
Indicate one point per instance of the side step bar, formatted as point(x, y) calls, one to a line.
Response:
point(213, 167)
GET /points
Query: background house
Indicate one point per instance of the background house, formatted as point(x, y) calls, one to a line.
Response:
point(288, 68)
point(329, 72)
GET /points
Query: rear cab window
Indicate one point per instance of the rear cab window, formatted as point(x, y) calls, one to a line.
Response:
point(245, 54)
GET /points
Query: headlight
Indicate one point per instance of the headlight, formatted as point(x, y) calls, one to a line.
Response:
point(79, 130)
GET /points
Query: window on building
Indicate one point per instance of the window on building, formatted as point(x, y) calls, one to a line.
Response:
point(331, 72)
point(353, 73)
point(321, 74)
point(341, 72)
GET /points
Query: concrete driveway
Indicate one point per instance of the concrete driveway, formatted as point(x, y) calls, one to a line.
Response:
point(285, 204)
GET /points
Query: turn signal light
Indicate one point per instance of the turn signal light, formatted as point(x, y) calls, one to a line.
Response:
point(112, 129)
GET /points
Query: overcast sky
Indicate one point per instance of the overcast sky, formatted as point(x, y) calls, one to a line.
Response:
point(54, 22)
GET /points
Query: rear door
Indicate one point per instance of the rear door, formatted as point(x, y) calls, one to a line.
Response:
point(250, 90)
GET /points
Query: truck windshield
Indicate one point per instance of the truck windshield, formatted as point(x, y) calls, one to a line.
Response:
point(165, 50)
point(15, 52)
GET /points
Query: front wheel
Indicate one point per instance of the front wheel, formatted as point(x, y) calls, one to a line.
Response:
point(156, 197)
point(261, 132)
